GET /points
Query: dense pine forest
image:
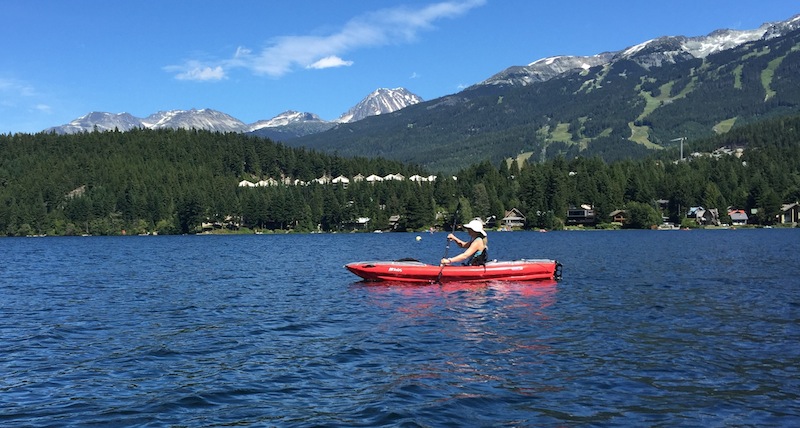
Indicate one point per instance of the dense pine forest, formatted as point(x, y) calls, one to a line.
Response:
point(180, 181)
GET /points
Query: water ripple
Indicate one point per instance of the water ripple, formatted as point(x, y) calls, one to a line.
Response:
point(205, 331)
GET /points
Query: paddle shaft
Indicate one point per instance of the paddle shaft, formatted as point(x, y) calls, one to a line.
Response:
point(447, 245)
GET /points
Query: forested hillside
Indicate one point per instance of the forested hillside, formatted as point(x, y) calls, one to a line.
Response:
point(615, 111)
point(164, 180)
point(172, 181)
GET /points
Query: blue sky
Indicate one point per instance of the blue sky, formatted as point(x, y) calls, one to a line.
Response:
point(255, 59)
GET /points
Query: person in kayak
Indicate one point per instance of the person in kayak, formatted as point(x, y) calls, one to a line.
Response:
point(476, 248)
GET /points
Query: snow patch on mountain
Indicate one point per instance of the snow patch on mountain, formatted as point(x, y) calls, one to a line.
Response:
point(101, 121)
point(285, 119)
point(545, 69)
point(207, 119)
point(651, 53)
point(381, 101)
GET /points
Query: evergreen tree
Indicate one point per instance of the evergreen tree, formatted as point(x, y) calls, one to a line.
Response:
point(190, 213)
point(641, 215)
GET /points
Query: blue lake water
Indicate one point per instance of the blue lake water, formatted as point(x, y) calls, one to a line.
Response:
point(692, 328)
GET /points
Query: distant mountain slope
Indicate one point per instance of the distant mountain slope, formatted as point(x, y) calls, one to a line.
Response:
point(290, 124)
point(613, 105)
point(99, 120)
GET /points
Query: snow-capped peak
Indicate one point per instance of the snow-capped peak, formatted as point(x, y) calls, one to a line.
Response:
point(194, 119)
point(102, 121)
point(380, 101)
point(286, 118)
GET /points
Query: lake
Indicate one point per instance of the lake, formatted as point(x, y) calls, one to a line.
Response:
point(691, 328)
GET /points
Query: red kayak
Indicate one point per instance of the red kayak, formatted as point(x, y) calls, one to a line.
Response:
point(416, 271)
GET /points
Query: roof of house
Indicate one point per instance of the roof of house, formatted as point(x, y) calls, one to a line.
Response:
point(696, 211)
point(514, 214)
point(738, 216)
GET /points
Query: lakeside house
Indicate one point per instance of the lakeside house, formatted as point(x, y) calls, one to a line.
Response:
point(394, 221)
point(619, 216)
point(790, 214)
point(360, 223)
point(704, 217)
point(341, 180)
point(738, 217)
point(582, 215)
point(513, 218)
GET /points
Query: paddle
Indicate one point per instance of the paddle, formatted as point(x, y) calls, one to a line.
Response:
point(447, 245)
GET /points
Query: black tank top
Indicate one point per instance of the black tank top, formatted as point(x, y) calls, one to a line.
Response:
point(480, 257)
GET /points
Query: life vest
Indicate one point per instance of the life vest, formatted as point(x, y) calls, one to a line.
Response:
point(480, 257)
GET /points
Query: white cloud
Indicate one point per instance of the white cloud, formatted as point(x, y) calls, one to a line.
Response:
point(288, 53)
point(194, 70)
point(330, 62)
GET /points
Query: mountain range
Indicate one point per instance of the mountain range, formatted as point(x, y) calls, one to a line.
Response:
point(652, 53)
point(288, 124)
point(614, 105)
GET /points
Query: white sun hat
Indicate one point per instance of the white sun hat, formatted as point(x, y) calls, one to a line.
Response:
point(476, 225)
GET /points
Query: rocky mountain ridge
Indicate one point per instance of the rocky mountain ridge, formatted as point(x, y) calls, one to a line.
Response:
point(285, 125)
point(652, 53)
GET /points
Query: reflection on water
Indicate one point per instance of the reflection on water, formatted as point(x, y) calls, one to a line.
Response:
point(470, 299)
point(531, 288)
point(481, 341)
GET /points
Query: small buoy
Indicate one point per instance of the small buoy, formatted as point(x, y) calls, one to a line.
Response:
point(418, 238)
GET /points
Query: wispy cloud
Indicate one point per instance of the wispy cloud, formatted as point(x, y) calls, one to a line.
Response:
point(330, 62)
point(195, 70)
point(283, 55)
point(23, 106)
point(16, 88)
point(19, 95)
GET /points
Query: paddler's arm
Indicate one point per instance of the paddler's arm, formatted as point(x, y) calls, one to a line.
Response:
point(458, 242)
point(465, 255)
